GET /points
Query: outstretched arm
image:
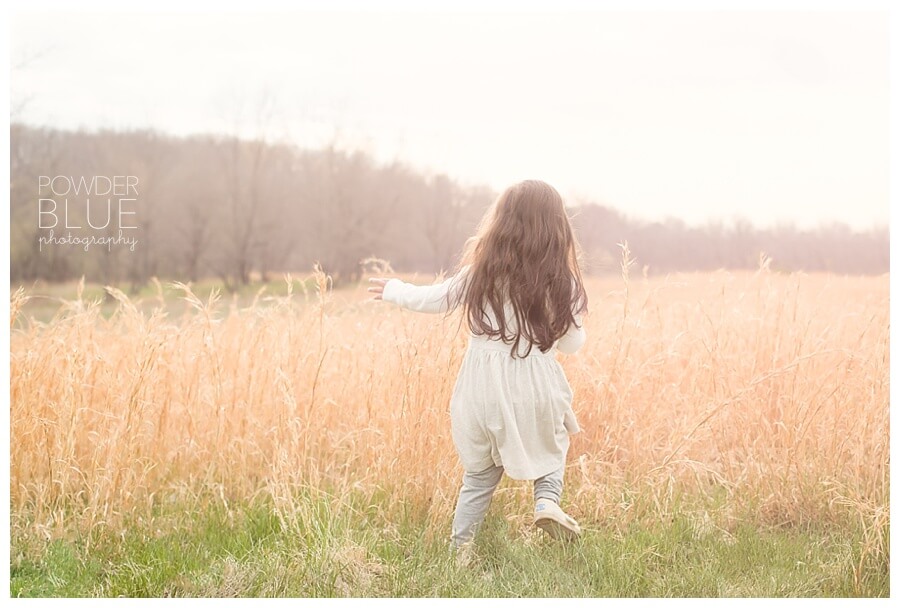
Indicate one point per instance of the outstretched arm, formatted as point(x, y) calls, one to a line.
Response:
point(420, 298)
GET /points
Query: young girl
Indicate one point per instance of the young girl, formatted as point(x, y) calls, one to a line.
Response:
point(522, 294)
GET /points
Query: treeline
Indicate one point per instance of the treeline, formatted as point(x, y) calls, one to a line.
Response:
point(236, 209)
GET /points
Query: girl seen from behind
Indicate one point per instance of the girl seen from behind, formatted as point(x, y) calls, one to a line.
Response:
point(521, 291)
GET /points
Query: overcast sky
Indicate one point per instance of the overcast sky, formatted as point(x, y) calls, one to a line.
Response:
point(773, 116)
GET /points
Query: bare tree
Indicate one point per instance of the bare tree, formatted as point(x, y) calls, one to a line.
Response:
point(351, 207)
point(243, 163)
point(443, 214)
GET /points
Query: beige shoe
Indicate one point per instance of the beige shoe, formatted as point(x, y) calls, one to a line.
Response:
point(554, 521)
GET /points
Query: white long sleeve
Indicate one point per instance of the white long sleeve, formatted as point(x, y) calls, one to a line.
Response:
point(423, 298)
point(573, 339)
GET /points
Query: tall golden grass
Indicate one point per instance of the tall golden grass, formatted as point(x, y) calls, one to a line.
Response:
point(759, 397)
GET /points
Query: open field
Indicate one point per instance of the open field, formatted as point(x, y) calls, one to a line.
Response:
point(735, 442)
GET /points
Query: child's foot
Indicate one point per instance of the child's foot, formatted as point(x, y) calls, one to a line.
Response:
point(554, 521)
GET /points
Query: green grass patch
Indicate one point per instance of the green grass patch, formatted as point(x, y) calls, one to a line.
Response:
point(326, 547)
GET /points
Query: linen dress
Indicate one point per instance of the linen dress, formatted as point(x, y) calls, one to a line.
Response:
point(510, 412)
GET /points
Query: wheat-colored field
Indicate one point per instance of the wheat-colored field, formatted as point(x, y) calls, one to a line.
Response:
point(733, 397)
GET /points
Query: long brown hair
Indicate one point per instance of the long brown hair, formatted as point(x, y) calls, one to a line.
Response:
point(524, 251)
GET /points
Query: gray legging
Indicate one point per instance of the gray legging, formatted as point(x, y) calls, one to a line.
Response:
point(475, 498)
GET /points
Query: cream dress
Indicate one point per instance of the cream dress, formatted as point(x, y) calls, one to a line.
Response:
point(515, 413)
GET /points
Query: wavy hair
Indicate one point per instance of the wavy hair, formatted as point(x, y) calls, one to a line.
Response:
point(524, 252)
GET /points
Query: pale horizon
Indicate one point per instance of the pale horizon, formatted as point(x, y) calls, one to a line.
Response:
point(772, 117)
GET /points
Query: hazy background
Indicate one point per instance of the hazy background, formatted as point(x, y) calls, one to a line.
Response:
point(700, 137)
